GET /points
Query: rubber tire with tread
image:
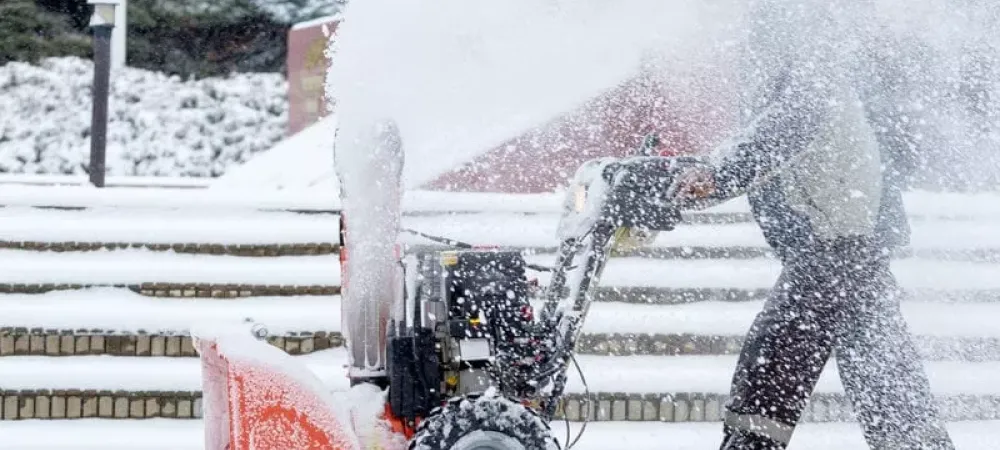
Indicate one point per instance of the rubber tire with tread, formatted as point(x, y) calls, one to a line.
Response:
point(461, 416)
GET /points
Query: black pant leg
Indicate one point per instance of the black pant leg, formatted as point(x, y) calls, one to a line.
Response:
point(882, 372)
point(782, 358)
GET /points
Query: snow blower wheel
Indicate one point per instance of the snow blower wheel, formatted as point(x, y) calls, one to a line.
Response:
point(483, 423)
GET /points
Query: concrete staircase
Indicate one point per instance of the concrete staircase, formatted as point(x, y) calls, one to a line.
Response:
point(97, 300)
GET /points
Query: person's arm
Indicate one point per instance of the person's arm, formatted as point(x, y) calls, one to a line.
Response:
point(776, 135)
point(895, 115)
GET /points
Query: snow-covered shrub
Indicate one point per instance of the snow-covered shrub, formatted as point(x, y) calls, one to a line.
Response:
point(158, 125)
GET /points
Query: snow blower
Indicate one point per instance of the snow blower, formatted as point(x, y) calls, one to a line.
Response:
point(469, 364)
point(465, 361)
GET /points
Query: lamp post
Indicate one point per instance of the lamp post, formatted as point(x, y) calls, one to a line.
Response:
point(103, 24)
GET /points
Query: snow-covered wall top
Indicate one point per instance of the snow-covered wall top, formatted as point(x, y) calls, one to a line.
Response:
point(158, 125)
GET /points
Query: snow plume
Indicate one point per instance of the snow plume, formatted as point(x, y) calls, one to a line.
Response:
point(952, 52)
point(460, 76)
point(158, 125)
point(949, 57)
point(368, 164)
point(445, 80)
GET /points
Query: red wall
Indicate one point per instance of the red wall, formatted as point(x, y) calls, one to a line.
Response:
point(543, 159)
point(307, 65)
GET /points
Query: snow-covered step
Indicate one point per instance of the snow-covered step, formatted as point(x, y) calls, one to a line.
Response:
point(623, 294)
point(139, 374)
point(623, 388)
point(652, 295)
point(626, 374)
point(762, 273)
point(163, 434)
point(311, 200)
point(731, 319)
point(712, 374)
point(139, 266)
point(19, 224)
point(983, 255)
point(170, 227)
point(540, 231)
point(125, 311)
point(918, 203)
point(123, 323)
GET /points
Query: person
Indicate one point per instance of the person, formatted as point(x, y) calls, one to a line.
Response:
point(823, 162)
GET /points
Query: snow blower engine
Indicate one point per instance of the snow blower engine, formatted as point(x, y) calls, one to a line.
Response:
point(469, 363)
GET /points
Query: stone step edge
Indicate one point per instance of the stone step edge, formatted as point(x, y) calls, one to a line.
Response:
point(182, 290)
point(693, 217)
point(259, 250)
point(328, 248)
point(55, 343)
point(65, 343)
point(597, 407)
point(620, 294)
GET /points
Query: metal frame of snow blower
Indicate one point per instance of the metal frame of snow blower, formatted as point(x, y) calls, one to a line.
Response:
point(607, 195)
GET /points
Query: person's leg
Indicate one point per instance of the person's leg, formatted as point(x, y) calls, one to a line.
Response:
point(782, 358)
point(881, 371)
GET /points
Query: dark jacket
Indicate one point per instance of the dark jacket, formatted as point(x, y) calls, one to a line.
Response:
point(799, 194)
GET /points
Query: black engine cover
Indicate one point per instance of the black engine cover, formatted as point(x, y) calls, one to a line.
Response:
point(487, 294)
point(414, 372)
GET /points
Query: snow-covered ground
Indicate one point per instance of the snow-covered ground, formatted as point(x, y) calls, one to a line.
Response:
point(164, 434)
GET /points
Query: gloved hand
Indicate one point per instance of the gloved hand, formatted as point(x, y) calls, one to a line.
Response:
point(693, 185)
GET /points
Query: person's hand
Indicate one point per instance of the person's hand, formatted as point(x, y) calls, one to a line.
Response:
point(696, 183)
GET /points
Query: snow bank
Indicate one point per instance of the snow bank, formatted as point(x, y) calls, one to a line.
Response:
point(158, 125)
